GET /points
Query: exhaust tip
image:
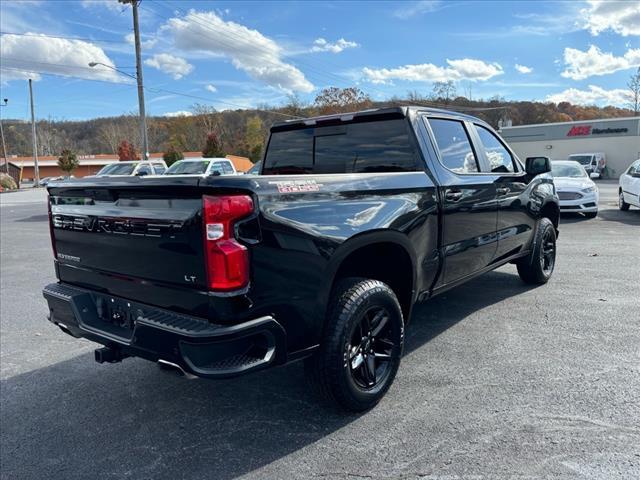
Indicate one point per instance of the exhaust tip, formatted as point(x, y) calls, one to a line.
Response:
point(167, 365)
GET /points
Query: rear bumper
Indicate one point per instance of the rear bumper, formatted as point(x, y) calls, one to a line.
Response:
point(195, 345)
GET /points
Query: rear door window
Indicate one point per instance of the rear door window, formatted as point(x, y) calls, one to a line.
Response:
point(456, 152)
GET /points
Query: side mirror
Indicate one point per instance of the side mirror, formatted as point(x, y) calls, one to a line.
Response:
point(216, 173)
point(594, 175)
point(142, 173)
point(537, 165)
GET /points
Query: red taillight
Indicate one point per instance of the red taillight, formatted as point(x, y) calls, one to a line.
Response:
point(227, 260)
point(53, 239)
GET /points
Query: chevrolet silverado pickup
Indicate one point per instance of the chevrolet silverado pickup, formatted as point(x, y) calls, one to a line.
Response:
point(353, 219)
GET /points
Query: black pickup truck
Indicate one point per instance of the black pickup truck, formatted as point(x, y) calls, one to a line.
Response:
point(354, 219)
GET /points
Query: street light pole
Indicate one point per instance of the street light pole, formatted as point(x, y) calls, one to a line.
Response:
point(141, 108)
point(36, 170)
point(4, 146)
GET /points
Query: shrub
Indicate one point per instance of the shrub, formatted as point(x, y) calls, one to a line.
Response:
point(172, 155)
point(7, 182)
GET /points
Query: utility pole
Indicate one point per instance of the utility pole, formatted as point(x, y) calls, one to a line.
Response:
point(4, 146)
point(36, 170)
point(143, 119)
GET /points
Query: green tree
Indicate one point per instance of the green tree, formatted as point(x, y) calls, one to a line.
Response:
point(173, 153)
point(212, 147)
point(254, 138)
point(68, 161)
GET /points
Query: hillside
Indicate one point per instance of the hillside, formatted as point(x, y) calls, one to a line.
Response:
point(242, 132)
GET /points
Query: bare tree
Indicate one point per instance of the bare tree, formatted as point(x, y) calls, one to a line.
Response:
point(445, 91)
point(338, 100)
point(49, 139)
point(634, 88)
point(110, 135)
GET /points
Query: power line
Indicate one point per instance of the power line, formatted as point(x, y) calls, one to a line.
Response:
point(46, 35)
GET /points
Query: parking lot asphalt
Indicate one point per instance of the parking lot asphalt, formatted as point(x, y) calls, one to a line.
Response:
point(499, 380)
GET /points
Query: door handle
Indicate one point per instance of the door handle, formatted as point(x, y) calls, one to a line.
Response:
point(503, 190)
point(453, 195)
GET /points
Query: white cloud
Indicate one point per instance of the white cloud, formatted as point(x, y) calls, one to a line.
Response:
point(112, 5)
point(249, 50)
point(211, 88)
point(581, 65)
point(22, 56)
point(417, 8)
point(177, 67)
point(523, 68)
point(130, 38)
point(594, 96)
point(622, 17)
point(179, 113)
point(464, 69)
point(321, 45)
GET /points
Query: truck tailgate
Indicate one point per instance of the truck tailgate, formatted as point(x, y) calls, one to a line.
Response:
point(141, 229)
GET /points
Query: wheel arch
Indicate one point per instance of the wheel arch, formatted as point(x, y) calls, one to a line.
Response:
point(387, 256)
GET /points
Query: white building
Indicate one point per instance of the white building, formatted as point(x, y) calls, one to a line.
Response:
point(618, 138)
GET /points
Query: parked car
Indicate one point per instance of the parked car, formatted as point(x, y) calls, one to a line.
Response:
point(354, 219)
point(47, 180)
point(629, 187)
point(594, 163)
point(202, 167)
point(576, 191)
point(136, 168)
point(44, 181)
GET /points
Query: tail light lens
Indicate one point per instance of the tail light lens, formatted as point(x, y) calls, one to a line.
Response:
point(227, 260)
point(53, 240)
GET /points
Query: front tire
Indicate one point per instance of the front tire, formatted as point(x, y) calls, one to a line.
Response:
point(361, 346)
point(537, 267)
point(622, 205)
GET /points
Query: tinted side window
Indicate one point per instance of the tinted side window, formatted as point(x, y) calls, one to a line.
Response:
point(454, 145)
point(382, 146)
point(159, 168)
point(499, 157)
point(290, 152)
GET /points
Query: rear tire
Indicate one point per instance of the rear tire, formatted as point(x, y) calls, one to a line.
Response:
point(622, 205)
point(537, 267)
point(361, 346)
point(591, 214)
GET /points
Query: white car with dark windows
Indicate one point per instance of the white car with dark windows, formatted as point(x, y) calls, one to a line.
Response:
point(135, 168)
point(629, 189)
point(576, 191)
point(202, 167)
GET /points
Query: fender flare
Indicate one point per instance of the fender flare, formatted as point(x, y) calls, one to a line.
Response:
point(356, 243)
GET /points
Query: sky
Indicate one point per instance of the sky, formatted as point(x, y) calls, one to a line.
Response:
point(247, 54)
